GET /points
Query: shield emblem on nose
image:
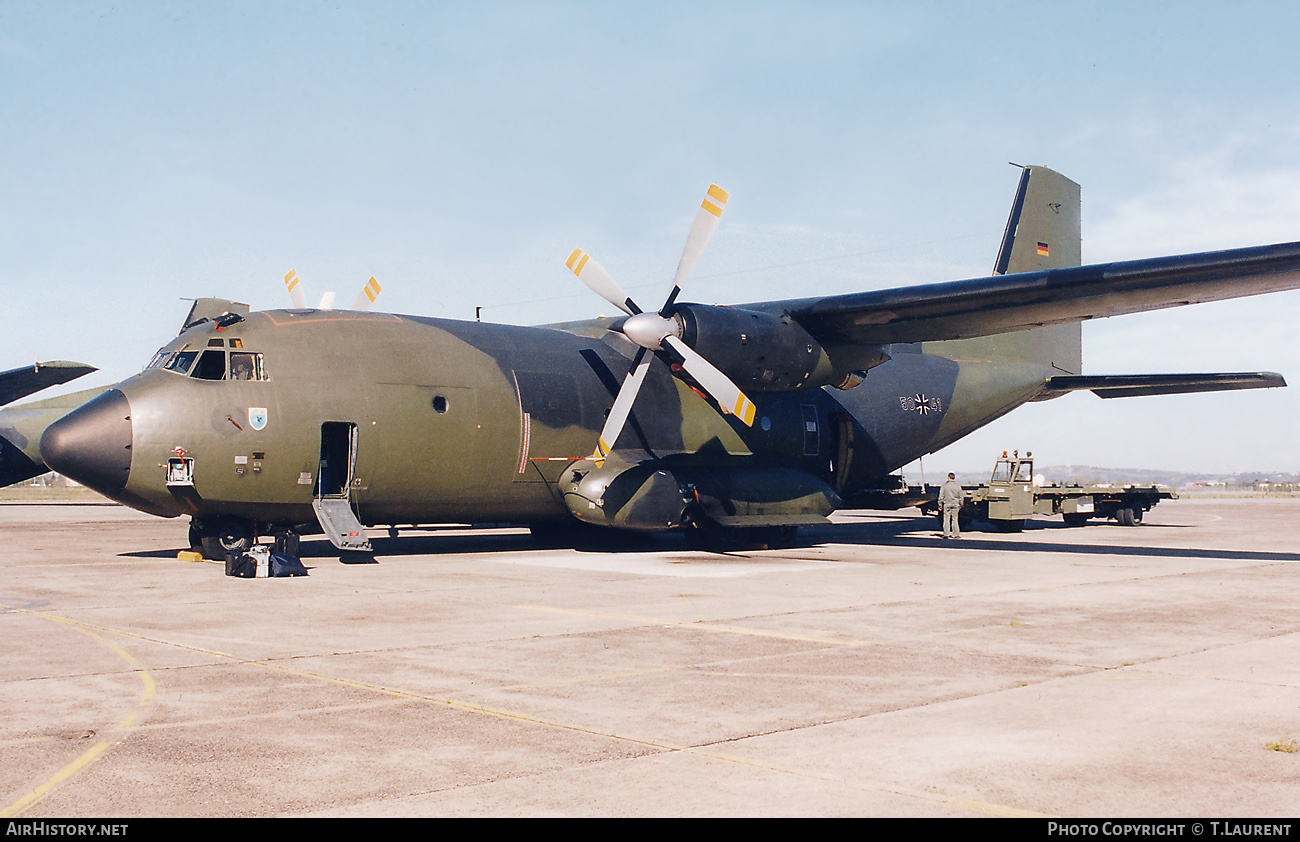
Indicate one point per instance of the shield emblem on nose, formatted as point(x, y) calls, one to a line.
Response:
point(257, 417)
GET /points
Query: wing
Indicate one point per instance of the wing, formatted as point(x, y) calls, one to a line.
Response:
point(21, 382)
point(1004, 303)
point(1137, 385)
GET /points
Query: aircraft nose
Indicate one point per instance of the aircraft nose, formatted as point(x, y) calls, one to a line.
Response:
point(92, 444)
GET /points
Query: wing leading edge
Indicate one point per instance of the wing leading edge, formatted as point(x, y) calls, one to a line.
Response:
point(21, 382)
point(1004, 303)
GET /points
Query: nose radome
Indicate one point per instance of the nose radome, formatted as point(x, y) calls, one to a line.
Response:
point(92, 444)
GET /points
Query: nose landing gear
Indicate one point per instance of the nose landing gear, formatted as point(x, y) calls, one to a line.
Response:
point(215, 538)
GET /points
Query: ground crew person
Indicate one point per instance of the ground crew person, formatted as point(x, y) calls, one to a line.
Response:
point(950, 497)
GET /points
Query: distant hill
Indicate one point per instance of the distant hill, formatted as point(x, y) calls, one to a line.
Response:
point(1143, 476)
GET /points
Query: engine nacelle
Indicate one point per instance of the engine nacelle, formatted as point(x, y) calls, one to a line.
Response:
point(760, 352)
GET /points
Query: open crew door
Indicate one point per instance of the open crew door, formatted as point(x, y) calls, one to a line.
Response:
point(333, 505)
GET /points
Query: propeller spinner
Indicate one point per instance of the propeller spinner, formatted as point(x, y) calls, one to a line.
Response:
point(661, 333)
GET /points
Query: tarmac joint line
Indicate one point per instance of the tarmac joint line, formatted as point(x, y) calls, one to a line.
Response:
point(128, 722)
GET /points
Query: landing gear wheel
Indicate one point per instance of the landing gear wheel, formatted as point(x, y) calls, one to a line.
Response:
point(227, 535)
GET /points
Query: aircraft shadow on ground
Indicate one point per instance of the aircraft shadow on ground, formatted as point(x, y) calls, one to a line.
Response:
point(921, 532)
point(925, 532)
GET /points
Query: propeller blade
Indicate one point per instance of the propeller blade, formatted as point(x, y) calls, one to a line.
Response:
point(367, 296)
point(294, 285)
point(706, 222)
point(666, 311)
point(622, 407)
point(730, 399)
point(601, 282)
point(326, 302)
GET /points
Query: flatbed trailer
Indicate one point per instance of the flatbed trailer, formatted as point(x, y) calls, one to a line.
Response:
point(1011, 497)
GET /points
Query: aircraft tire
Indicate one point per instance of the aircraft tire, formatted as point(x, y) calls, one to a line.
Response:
point(229, 535)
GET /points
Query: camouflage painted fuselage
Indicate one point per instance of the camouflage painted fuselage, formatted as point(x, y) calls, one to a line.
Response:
point(469, 422)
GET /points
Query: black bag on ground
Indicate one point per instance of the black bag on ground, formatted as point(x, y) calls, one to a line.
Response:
point(242, 565)
point(283, 564)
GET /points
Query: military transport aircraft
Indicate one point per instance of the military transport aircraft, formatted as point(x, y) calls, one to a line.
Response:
point(753, 418)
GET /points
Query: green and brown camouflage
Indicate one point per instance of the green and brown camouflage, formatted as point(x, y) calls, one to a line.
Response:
point(284, 420)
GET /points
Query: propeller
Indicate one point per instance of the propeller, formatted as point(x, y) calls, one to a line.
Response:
point(365, 298)
point(660, 333)
point(296, 294)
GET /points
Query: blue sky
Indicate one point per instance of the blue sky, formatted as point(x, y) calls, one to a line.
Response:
point(459, 151)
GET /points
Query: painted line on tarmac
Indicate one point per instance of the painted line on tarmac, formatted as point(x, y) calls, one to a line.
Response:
point(959, 802)
point(149, 689)
point(127, 723)
point(712, 627)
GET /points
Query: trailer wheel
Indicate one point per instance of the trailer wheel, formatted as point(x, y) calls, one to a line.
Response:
point(1126, 517)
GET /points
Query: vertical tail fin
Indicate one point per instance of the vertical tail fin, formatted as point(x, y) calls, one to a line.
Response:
point(1042, 232)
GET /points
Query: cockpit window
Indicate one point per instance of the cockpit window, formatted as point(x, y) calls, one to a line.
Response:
point(212, 366)
point(213, 363)
point(181, 361)
point(245, 366)
point(157, 359)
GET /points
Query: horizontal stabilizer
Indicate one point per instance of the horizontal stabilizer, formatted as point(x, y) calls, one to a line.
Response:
point(21, 382)
point(1135, 385)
